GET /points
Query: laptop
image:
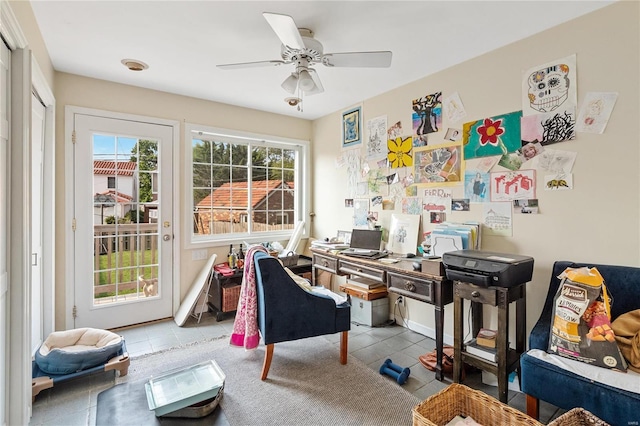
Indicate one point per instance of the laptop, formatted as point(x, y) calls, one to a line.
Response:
point(365, 243)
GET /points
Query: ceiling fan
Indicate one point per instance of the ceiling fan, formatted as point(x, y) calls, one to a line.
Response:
point(301, 49)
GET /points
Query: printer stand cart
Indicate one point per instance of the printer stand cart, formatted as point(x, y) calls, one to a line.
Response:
point(507, 360)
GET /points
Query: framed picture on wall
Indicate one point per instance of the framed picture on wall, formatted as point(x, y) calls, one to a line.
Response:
point(351, 127)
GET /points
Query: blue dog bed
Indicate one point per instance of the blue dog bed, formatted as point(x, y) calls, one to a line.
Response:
point(65, 355)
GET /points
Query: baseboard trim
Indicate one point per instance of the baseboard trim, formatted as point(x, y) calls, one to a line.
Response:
point(424, 330)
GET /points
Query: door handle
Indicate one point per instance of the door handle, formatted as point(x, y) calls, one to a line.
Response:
point(166, 237)
point(34, 259)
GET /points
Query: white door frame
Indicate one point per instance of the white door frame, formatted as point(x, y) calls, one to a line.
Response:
point(45, 94)
point(37, 220)
point(19, 337)
point(17, 403)
point(69, 112)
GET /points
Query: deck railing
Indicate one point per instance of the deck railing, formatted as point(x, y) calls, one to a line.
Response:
point(121, 253)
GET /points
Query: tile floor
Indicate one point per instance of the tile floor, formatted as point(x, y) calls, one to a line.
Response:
point(74, 402)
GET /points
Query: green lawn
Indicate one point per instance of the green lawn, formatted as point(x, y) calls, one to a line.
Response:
point(130, 271)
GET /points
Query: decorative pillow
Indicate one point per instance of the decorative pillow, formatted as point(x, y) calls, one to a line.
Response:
point(627, 329)
point(66, 352)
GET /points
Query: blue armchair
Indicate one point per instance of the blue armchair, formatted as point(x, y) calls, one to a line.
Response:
point(287, 312)
point(564, 389)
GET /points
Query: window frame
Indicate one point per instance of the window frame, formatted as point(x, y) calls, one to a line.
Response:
point(302, 185)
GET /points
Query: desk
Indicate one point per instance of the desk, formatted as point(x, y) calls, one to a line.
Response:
point(225, 289)
point(400, 278)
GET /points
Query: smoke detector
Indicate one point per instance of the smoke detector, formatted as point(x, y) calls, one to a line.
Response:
point(134, 64)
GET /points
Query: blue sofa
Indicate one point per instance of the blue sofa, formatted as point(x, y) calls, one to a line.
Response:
point(542, 380)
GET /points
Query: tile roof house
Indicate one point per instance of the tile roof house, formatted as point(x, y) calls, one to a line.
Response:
point(117, 181)
point(271, 203)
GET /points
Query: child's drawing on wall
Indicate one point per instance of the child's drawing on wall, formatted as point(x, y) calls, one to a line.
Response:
point(549, 128)
point(412, 205)
point(394, 131)
point(440, 164)
point(514, 185)
point(595, 112)
point(453, 108)
point(426, 117)
point(491, 136)
point(556, 161)
point(558, 182)
point(550, 87)
point(497, 219)
point(377, 129)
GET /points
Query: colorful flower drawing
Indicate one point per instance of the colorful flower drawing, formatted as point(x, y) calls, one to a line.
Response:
point(492, 136)
point(399, 154)
point(490, 131)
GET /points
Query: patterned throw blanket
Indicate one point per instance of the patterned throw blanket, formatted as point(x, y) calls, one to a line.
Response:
point(245, 327)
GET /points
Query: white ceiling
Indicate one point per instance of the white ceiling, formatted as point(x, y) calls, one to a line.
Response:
point(183, 41)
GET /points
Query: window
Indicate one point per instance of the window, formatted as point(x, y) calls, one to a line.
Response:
point(244, 186)
point(111, 182)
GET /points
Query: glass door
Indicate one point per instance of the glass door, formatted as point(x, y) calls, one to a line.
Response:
point(123, 217)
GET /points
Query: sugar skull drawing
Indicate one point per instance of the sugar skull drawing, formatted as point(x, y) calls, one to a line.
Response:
point(549, 87)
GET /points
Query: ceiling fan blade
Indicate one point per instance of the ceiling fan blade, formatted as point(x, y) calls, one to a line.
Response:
point(250, 65)
point(381, 59)
point(316, 80)
point(285, 28)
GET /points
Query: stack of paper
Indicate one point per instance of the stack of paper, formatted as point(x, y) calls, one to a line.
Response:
point(472, 347)
point(450, 236)
point(325, 245)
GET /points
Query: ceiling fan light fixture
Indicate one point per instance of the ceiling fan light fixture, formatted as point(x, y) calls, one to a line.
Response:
point(290, 84)
point(305, 80)
point(134, 64)
point(293, 101)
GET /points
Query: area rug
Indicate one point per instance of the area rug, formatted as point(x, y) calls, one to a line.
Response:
point(306, 385)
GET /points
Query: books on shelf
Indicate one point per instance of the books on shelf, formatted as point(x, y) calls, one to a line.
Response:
point(472, 347)
point(487, 338)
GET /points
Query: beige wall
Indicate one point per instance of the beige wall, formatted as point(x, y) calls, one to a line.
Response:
point(598, 221)
point(91, 93)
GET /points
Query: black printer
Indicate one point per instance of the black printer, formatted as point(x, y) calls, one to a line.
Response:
point(486, 268)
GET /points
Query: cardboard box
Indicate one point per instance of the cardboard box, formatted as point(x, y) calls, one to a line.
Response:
point(369, 312)
point(433, 267)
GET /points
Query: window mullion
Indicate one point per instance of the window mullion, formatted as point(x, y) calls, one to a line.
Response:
point(249, 188)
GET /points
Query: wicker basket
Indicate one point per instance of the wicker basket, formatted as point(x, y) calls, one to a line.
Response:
point(230, 296)
point(460, 400)
point(578, 417)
